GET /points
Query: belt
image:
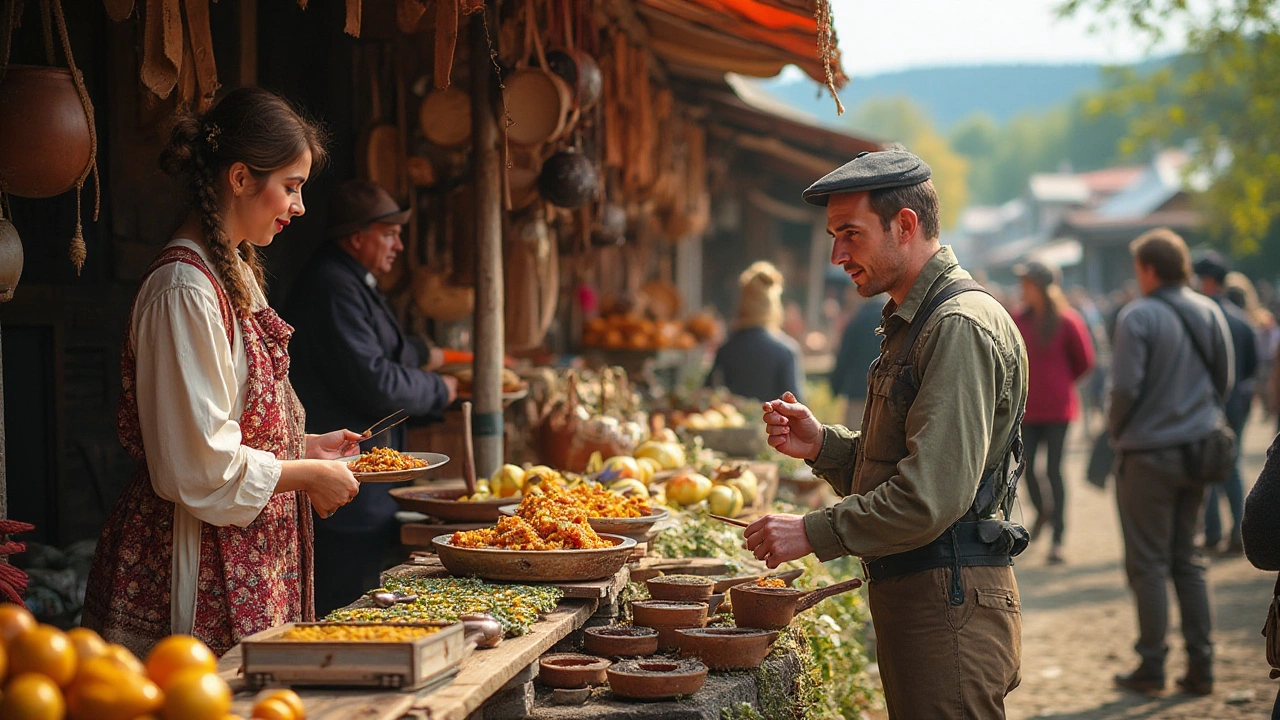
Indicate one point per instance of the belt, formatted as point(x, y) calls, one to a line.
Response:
point(959, 546)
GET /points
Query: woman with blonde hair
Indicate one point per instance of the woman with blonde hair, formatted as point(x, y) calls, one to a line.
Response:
point(758, 360)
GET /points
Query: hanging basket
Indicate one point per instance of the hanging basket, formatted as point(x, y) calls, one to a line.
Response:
point(45, 142)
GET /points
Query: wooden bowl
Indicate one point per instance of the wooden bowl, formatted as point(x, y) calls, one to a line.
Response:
point(726, 648)
point(669, 613)
point(445, 505)
point(656, 679)
point(680, 587)
point(620, 640)
point(535, 565)
point(571, 671)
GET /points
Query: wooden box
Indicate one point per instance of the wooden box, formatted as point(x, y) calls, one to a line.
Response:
point(404, 664)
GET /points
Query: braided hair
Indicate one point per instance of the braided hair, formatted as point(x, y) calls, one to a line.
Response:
point(251, 126)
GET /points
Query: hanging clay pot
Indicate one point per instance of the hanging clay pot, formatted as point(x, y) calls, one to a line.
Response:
point(44, 133)
point(569, 179)
point(10, 260)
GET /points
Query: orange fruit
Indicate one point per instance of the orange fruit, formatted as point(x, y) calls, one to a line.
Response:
point(194, 694)
point(45, 650)
point(31, 696)
point(14, 620)
point(4, 661)
point(176, 653)
point(291, 699)
point(88, 644)
point(121, 656)
point(273, 708)
point(104, 691)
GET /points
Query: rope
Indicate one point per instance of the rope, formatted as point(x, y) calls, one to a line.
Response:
point(827, 47)
point(78, 251)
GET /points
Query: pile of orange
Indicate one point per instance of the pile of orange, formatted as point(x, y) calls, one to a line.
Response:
point(49, 674)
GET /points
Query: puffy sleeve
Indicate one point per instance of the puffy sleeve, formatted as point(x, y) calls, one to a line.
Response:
point(188, 394)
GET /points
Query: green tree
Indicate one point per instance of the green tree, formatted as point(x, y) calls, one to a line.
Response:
point(1225, 95)
point(900, 120)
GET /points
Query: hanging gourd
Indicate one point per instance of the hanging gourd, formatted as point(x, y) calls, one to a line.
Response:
point(10, 259)
point(48, 142)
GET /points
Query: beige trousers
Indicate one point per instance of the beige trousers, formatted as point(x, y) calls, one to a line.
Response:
point(942, 661)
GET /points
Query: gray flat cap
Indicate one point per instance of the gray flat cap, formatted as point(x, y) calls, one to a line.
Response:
point(870, 171)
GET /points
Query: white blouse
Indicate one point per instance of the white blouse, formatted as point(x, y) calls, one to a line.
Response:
point(191, 391)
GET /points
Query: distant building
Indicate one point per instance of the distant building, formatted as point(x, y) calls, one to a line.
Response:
point(1083, 222)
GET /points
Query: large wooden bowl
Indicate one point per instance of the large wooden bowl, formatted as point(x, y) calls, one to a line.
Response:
point(534, 565)
point(636, 528)
point(445, 505)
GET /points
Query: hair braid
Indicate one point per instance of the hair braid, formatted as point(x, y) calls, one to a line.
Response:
point(251, 126)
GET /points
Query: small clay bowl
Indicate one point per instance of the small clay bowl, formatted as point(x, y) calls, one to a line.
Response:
point(763, 608)
point(656, 679)
point(669, 613)
point(788, 577)
point(726, 648)
point(680, 587)
point(571, 671)
point(620, 640)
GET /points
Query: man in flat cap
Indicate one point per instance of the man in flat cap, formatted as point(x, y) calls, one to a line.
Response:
point(929, 481)
point(352, 364)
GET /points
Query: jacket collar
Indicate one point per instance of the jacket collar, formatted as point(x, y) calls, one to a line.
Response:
point(345, 260)
point(941, 263)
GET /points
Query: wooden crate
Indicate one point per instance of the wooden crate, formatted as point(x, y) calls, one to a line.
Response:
point(406, 664)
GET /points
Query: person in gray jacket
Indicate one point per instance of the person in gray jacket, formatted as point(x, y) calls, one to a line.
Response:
point(1164, 399)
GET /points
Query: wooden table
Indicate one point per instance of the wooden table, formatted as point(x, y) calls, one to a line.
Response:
point(479, 676)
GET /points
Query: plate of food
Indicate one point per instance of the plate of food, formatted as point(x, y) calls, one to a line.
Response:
point(637, 528)
point(386, 465)
point(513, 387)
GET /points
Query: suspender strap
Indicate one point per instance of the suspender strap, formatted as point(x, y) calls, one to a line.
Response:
point(947, 292)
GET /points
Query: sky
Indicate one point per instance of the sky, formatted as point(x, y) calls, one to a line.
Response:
point(967, 32)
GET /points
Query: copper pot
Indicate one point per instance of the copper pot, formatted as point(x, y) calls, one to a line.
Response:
point(44, 132)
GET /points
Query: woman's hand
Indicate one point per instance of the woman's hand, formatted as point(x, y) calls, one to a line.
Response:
point(792, 428)
point(333, 445)
point(331, 487)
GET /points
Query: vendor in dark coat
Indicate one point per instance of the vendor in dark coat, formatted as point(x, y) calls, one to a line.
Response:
point(758, 360)
point(352, 365)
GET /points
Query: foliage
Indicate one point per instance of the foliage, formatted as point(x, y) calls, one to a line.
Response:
point(901, 120)
point(1225, 95)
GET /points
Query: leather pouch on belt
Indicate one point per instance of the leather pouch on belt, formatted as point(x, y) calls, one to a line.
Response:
point(1004, 536)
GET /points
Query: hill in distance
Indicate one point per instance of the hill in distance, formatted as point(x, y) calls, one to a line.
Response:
point(949, 94)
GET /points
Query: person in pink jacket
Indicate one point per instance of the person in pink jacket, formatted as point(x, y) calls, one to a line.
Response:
point(1059, 352)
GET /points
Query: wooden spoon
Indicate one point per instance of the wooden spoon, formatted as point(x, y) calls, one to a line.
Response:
point(468, 451)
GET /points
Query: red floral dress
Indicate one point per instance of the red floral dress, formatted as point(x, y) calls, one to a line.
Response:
point(250, 578)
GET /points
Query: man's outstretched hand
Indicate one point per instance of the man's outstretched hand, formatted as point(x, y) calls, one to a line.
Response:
point(792, 428)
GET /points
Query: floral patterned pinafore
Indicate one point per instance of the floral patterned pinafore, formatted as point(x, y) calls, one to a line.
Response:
point(251, 578)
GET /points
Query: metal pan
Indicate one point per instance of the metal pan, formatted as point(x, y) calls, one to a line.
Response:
point(434, 460)
point(535, 565)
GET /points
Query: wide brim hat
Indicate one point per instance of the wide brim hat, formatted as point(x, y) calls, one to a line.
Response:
point(356, 204)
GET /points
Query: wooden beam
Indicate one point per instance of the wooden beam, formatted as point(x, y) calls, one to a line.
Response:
point(489, 341)
point(248, 43)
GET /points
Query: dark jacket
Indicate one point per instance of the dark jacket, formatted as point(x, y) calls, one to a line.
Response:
point(351, 366)
point(758, 363)
point(859, 347)
point(1260, 528)
point(1245, 345)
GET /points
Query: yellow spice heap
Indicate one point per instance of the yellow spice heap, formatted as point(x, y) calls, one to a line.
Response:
point(357, 633)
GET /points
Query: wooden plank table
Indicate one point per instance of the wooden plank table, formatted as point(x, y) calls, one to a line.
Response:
point(479, 677)
point(605, 590)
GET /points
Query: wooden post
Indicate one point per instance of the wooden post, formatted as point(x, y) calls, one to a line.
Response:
point(489, 331)
point(248, 43)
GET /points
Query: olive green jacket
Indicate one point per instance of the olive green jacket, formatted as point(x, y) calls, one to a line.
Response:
point(914, 469)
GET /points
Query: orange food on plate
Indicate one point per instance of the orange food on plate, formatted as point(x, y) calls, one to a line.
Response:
point(593, 500)
point(544, 531)
point(384, 460)
point(770, 583)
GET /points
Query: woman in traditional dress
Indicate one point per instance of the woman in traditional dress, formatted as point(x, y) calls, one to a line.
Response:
point(213, 535)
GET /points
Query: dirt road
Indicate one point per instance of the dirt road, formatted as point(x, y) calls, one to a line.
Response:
point(1079, 622)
